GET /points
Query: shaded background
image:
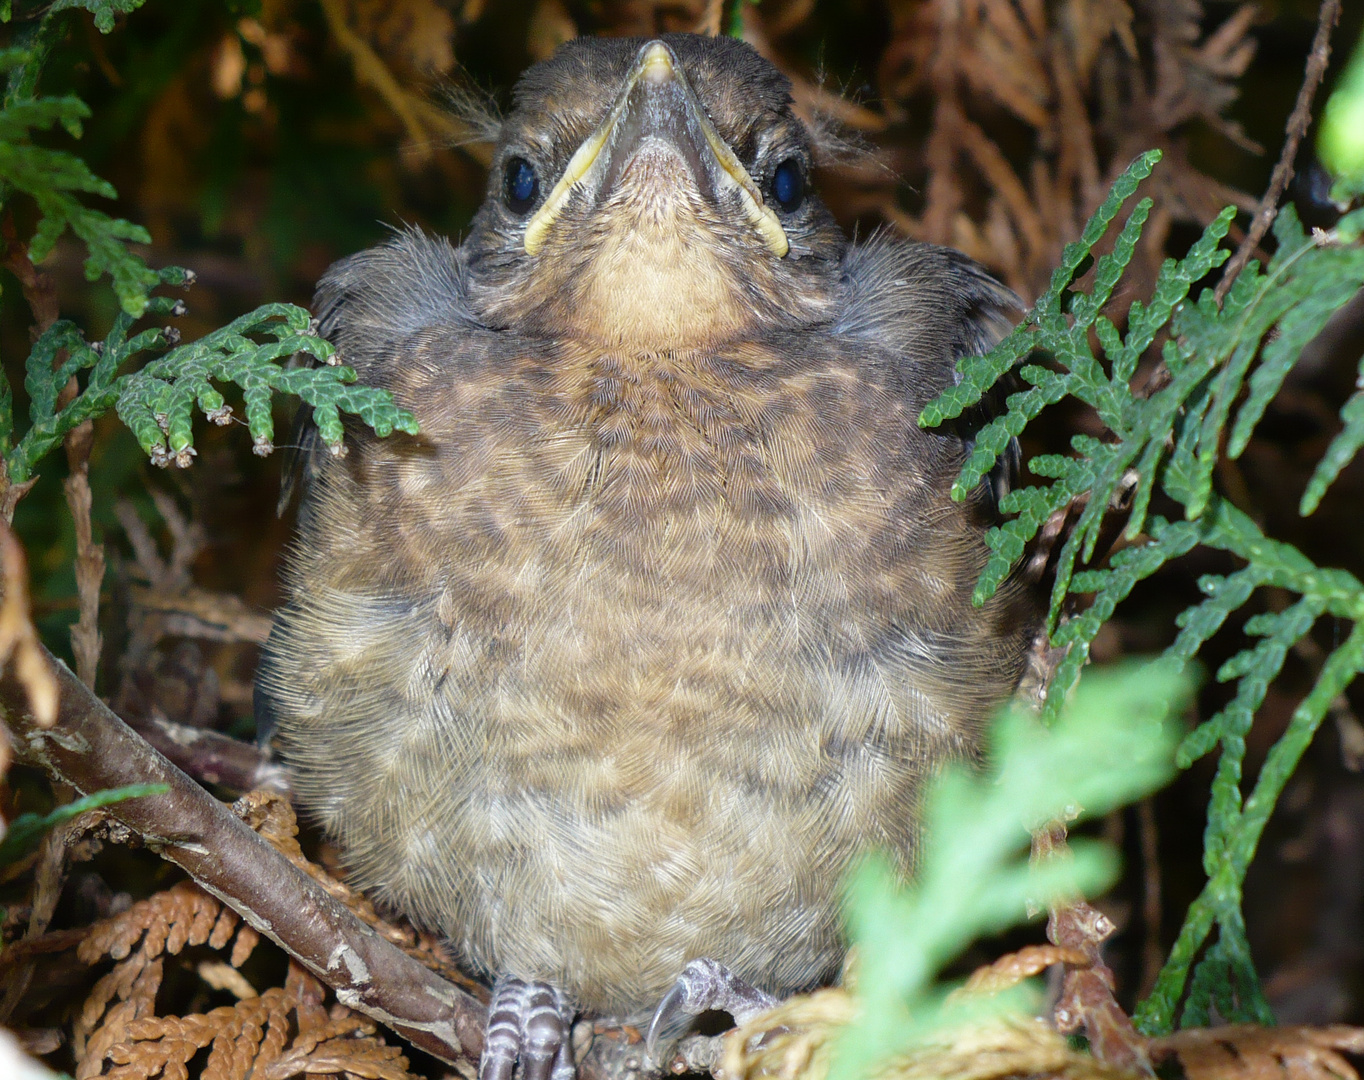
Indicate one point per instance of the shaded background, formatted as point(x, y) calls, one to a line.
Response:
point(258, 142)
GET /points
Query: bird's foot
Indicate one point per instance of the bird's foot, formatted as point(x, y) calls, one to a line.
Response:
point(529, 1024)
point(704, 986)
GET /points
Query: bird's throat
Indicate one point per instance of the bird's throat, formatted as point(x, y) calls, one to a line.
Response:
point(658, 278)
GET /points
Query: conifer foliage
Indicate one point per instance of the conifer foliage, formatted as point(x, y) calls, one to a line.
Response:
point(1222, 365)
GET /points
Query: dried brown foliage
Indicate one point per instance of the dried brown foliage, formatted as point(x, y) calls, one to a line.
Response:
point(1012, 968)
point(1036, 107)
point(992, 125)
point(164, 604)
point(138, 941)
point(75, 841)
point(1009, 117)
point(119, 1031)
point(795, 1041)
point(419, 35)
point(284, 1032)
point(418, 32)
point(1248, 1052)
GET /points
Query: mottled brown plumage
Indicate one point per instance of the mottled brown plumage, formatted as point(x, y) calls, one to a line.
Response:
point(665, 614)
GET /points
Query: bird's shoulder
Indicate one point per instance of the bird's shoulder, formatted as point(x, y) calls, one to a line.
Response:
point(403, 314)
point(925, 301)
point(931, 306)
point(371, 304)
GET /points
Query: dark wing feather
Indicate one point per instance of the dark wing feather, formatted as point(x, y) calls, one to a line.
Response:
point(365, 304)
point(934, 301)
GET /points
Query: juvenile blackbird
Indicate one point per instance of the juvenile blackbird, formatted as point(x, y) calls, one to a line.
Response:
point(665, 615)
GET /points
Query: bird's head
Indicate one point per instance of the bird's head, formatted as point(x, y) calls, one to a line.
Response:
point(655, 194)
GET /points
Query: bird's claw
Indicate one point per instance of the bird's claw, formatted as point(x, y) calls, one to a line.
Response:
point(529, 1023)
point(704, 986)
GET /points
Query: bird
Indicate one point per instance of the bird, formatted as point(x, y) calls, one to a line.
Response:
point(664, 617)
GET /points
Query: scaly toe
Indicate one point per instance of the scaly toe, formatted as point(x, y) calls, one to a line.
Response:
point(704, 986)
point(528, 1022)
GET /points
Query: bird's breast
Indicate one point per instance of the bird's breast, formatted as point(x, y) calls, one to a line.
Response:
point(658, 469)
point(616, 548)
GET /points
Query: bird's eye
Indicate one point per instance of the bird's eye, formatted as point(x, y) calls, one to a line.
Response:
point(788, 185)
point(520, 186)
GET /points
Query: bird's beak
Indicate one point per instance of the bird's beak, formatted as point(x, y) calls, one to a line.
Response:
point(657, 103)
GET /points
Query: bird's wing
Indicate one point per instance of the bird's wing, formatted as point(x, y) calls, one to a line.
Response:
point(933, 306)
point(369, 306)
point(366, 305)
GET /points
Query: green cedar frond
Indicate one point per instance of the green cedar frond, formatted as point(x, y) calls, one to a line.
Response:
point(50, 177)
point(23, 833)
point(1224, 366)
point(157, 402)
point(1340, 453)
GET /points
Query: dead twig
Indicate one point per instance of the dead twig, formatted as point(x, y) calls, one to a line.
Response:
point(1298, 121)
point(40, 291)
point(85, 636)
point(1011, 969)
point(427, 126)
point(710, 19)
point(92, 749)
point(1086, 998)
point(213, 758)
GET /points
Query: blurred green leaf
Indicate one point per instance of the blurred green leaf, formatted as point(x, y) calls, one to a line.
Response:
point(1340, 133)
point(104, 11)
point(1112, 743)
